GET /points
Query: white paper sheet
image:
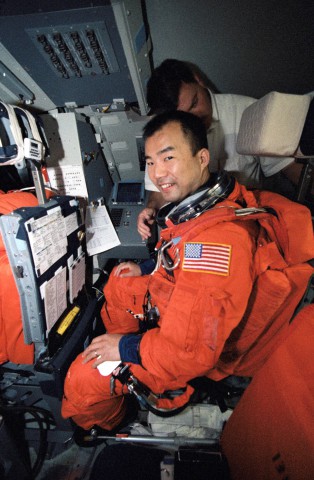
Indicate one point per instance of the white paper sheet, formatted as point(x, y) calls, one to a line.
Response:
point(54, 294)
point(100, 232)
point(68, 180)
point(48, 240)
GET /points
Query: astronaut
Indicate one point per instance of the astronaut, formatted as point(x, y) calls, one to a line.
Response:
point(173, 325)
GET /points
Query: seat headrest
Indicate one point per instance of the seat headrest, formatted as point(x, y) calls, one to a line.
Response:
point(273, 125)
point(11, 139)
point(18, 128)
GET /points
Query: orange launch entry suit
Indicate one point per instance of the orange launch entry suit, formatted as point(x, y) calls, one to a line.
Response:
point(222, 310)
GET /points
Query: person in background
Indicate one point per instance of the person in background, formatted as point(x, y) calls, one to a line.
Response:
point(179, 85)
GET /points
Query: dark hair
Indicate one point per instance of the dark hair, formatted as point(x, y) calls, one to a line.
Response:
point(164, 85)
point(192, 127)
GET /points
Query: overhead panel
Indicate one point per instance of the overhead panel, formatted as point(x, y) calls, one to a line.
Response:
point(75, 56)
point(76, 51)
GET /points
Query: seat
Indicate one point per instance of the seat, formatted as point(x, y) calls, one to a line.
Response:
point(31, 394)
point(59, 312)
point(270, 433)
point(281, 125)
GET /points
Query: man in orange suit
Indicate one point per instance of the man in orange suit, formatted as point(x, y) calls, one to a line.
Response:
point(172, 325)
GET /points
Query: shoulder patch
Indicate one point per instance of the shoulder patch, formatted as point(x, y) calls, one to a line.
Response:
point(207, 258)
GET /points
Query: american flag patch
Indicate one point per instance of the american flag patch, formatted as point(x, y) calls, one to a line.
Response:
point(207, 258)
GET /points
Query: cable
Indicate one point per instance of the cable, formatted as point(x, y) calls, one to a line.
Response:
point(36, 412)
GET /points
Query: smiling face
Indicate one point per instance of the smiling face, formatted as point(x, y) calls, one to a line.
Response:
point(171, 165)
point(194, 98)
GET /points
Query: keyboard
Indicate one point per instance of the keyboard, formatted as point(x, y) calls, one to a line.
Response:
point(116, 216)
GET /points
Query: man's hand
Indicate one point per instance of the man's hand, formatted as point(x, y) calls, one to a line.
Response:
point(147, 216)
point(102, 348)
point(127, 269)
point(145, 219)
